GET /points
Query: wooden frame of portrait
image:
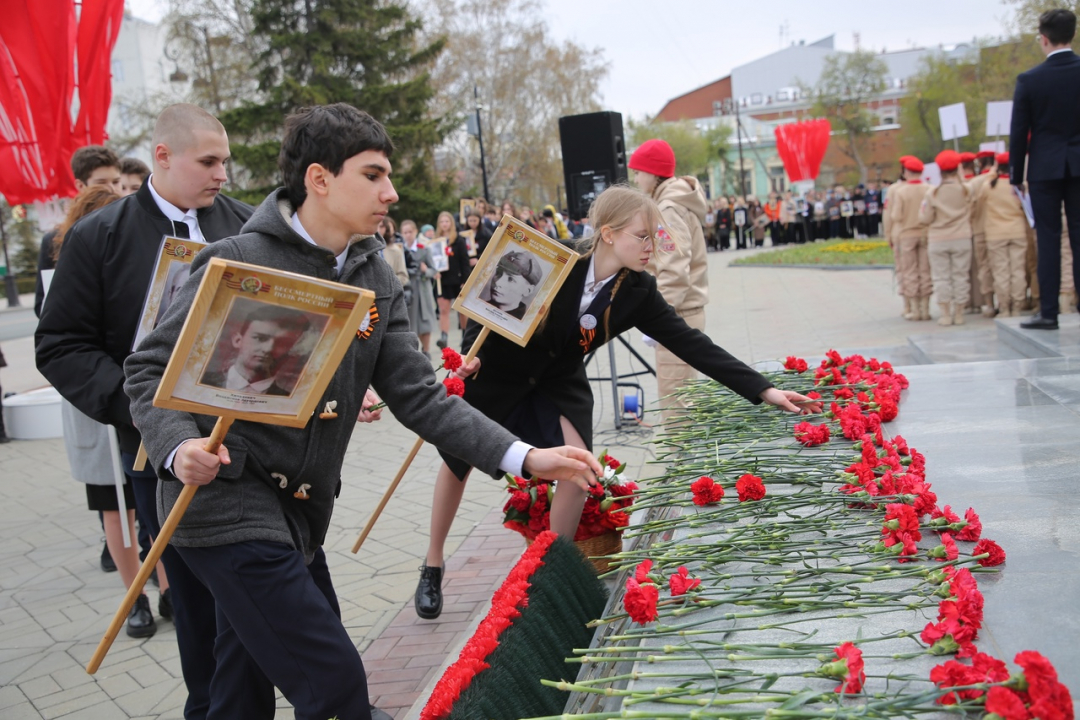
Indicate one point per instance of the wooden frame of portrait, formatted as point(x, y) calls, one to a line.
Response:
point(170, 272)
point(320, 317)
point(550, 259)
point(465, 204)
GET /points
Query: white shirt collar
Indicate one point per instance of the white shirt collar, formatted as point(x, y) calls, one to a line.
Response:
point(175, 214)
point(235, 381)
point(592, 286)
point(339, 259)
point(1059, 51)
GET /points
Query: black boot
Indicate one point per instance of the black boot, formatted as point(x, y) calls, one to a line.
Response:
point(442, 341)
point(164, 606)
point(377, 714)
point(428, 600)
point(140, 622)
point(107, 564)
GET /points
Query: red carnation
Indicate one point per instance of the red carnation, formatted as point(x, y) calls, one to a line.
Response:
point(749, 487)
point(796, 364)
point(1006, 704)
point(1050, 700)
point(681, 581)
point(641, 572)
point(901, 518)
point(520, 501)
point(706, 491)
point(947, 550)
point(612, 462)
point(997, 555)
point(811, 435)
point(640, 601)
point(454, 386)
point(451, 359)
point(855, 675)
point(974, 527)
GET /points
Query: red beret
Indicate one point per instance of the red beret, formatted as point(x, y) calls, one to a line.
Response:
point(654, 157)
point(984, 154)
point(1002, 158)
point(948, 160)
point(912, 163)
point(967, 157)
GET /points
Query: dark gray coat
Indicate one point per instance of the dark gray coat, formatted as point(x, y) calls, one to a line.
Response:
point(246, 501)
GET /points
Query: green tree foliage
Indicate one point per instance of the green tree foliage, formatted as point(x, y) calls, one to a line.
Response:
point(695, 148)
point(848, 81)
point(988, 74)
point(363, 52)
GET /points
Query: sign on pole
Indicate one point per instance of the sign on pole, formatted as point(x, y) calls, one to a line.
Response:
point(998, 118)
point(953, 121)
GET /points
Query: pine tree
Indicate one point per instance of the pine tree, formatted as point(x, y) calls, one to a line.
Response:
point(363, 52)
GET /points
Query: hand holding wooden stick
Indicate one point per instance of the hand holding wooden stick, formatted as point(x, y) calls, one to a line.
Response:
point(167, 529)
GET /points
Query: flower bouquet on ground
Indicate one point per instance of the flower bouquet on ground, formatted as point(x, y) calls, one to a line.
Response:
point(528, 511)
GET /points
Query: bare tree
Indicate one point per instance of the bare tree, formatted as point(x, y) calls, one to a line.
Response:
point(848, 82)
point(525, 82)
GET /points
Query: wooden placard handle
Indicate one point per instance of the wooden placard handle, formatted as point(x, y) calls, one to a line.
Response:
point(484, 332)
point(167, 529)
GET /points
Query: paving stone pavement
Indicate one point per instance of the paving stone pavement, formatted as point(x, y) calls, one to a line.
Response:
point(55, 602)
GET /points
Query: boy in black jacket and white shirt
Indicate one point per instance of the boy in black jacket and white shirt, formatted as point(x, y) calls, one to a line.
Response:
point(254, 544)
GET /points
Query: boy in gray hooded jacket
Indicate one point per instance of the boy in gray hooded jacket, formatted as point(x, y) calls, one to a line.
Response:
point(248, 534)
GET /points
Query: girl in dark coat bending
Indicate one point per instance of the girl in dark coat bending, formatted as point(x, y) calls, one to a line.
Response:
point(541, 392)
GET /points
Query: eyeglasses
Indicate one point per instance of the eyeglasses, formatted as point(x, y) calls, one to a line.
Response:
point(641, 240)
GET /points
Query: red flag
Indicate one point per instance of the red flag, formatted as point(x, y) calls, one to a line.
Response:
point(37, 44)
point(99, 25)
point(802, 147)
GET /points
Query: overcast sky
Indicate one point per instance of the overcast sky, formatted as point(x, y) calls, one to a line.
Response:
point(659, 49)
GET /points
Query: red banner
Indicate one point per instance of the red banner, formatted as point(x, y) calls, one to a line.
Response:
point(802, 147)
point(99, 25)
point(37, 82)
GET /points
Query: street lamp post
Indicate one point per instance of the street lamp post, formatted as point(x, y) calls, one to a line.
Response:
point(480, 138)
point(10, 288)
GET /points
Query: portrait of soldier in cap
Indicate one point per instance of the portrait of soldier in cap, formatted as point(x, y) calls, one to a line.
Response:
point(514, 283)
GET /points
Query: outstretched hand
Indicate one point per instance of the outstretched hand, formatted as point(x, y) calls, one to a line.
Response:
point(564, 463)
point(791, 401)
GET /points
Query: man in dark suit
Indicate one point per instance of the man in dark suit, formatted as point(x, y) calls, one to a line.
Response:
point(262, 345)
point(1046, 134)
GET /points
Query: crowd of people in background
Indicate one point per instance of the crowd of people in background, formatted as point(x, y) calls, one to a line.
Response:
point(737, 222)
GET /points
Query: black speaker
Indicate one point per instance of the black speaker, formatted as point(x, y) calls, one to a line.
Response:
point(594, 157)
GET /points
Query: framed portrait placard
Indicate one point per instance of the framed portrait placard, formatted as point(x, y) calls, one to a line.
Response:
point(515, 280)
point(171, 271)
point(470, 241)
point(440, 258)
point(261, 344)
point(466, 205)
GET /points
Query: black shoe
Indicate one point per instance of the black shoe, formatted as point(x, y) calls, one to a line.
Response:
point(377, 714)
point(140, 622)
point(428, 600)
point(164, 605)
point(4, 438)
point(1038, 322)
point(442, 341)
point(107, 564)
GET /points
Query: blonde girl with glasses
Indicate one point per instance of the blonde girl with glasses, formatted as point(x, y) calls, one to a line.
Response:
point(540, 392)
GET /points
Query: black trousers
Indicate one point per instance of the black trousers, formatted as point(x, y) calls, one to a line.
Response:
point(283, 617)
point(193, 605)
point(1047, 197)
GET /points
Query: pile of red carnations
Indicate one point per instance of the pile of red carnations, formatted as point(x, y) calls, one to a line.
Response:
point(528, 511)
point(799, 539)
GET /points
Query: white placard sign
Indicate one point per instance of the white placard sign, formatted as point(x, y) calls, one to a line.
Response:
point(953, 121)
point(998, 118)
point(931, 174)
point(994, 147)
